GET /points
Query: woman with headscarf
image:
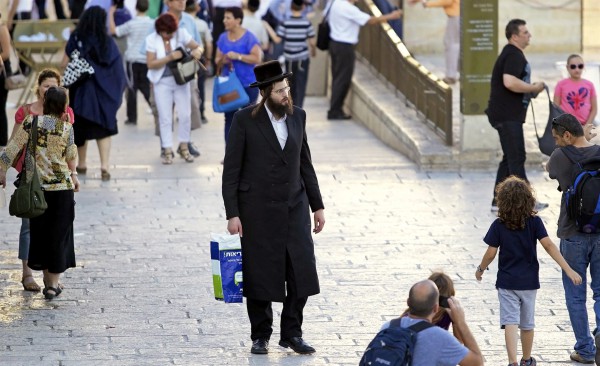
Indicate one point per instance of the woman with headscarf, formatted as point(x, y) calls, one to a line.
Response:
point(96, 99)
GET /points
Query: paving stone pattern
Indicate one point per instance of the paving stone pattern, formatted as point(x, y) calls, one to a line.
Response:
point(142, 290)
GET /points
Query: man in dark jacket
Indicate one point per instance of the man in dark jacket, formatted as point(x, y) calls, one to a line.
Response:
point(269, 186)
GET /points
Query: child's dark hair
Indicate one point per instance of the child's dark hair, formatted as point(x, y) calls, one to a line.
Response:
point(56, 101)
point(516, 202)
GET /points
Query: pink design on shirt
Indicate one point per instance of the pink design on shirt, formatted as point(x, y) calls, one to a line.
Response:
point(575, 97)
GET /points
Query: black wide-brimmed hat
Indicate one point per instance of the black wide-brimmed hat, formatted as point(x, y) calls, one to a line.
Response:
point(268, 73)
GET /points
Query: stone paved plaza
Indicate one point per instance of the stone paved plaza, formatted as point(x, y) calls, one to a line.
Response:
point(142, 290)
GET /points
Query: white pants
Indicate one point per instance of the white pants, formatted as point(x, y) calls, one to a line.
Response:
point(167, 92)
point(452, 46)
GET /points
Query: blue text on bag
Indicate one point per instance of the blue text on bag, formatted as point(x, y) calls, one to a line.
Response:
point(226, 260)
point(393, 346)
point(583, 196)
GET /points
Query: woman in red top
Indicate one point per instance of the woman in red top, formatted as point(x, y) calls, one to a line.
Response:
point(46, 79)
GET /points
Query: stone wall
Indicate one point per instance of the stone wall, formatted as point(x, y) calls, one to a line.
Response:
point(556, 25)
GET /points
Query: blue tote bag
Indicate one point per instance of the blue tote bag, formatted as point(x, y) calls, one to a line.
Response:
point(228, 93)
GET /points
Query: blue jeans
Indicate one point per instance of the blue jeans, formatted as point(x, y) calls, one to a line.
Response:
point(24, 240)
point(580, 251)
point(253, 94)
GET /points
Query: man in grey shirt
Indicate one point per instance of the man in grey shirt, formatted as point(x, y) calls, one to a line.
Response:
point(434, 345)
point(580, 250)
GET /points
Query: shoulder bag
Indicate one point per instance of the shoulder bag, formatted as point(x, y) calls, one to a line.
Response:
point(184, 69)
point(323, 31)
point(13, 81)
point(228, 92)
point(546, 141)
point(28, 200)
point(77, 70)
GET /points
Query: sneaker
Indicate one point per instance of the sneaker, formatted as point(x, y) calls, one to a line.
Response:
point(193, 149)
point(575, 356)
point(540, 206)
point(530, 362)
point(494, 208)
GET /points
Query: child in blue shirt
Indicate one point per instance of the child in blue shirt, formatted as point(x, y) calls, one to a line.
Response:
point(516, 232)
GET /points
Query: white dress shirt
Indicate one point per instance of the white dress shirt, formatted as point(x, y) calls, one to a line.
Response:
point(279, 126)
point(345, 20)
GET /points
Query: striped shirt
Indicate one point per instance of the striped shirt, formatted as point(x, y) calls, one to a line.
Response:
point(295, 31)
point(136, 30)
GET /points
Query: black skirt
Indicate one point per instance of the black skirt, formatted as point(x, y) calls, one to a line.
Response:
point(85, 130)
point(52, 246)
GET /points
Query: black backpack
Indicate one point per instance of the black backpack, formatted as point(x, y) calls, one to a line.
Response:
point(393, 346)
point(583, 196)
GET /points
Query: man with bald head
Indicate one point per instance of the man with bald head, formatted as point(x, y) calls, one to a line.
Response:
point(434, 345)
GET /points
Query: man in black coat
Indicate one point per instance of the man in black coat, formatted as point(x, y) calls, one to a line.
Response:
point(269, 188)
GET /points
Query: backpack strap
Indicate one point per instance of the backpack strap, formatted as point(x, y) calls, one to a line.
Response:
point(415, 327)
point(420, 326)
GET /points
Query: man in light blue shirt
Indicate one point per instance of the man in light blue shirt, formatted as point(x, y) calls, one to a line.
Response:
point(434, 345)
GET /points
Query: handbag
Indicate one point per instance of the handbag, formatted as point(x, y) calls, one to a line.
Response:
point(546, 141)
point(228, 93)
point(78, 70)
point(28, 200)
point(323, 31)
point(14, 81)
point(184, 69)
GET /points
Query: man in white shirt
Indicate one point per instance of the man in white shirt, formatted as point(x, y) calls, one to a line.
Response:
point(345, 20)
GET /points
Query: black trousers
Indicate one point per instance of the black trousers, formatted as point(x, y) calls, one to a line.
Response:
point(3, 116)
point(202, 90)
point(136, 72)
point(261, 313)
point(218, 28)
point(342, 68)
point(513, 150)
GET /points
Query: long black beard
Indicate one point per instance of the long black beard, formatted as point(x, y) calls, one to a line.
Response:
point(280, 109)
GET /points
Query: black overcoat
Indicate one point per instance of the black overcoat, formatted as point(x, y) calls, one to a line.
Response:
point(272, 192)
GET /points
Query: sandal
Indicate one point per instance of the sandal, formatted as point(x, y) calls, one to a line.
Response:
point(168, 158)
point(30, 285)
point(185, 154)
point(48, 295)
point(60, 285)
point(104, 175)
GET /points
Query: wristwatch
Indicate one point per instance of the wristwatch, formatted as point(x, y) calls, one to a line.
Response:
point(239, 57)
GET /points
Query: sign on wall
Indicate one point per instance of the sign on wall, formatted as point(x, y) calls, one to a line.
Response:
point(479, 49)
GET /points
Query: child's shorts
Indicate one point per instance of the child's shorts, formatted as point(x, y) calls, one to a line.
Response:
point(517, 307)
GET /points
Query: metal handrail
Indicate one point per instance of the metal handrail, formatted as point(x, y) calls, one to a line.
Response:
point(387, 54)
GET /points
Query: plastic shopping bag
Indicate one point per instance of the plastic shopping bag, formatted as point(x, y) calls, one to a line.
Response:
point(226, 259)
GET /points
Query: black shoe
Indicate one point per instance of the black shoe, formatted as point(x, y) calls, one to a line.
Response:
point(338, 116)
point(260, 346)
point(129, 122)
point(203, 119)
point(193, 149)
point(298, 345)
